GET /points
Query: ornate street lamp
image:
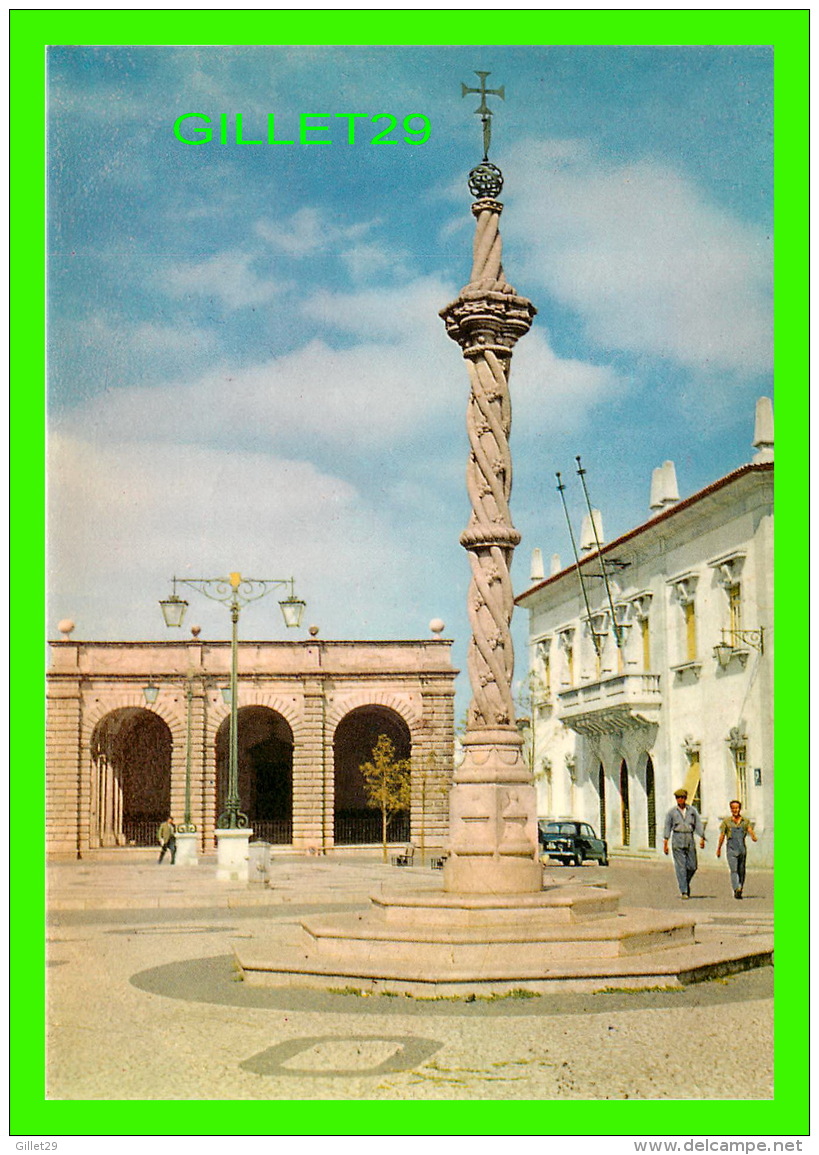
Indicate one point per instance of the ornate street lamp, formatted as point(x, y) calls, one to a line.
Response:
point(235, 592)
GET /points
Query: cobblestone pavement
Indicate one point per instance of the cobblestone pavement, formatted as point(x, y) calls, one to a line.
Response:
point(144, 1001)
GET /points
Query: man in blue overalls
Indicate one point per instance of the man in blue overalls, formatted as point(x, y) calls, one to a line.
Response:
point(735, 830)
point(681, 824)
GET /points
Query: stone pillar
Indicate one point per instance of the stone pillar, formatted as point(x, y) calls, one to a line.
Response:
point(178, 755)
point(210, 728)
point(432, 769)
point(67, 804)
point(232, 854)
point(493, 810)
point(202, 767)
point(307, 770)
point(186, 849)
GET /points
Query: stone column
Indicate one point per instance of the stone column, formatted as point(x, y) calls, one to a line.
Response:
point(493, 810)
point(200, 768)
point(432, 769)
point(308, 769)
point(210, 729)
point(67, 804)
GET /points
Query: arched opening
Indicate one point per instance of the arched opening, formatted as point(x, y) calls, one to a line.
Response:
point(625, 816)
point(356, 735)
point(265, 771)
point(131, 783)
point(651, 803)
point(601, 798)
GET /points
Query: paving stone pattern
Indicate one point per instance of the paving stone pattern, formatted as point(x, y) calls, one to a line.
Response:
point(144, 1002)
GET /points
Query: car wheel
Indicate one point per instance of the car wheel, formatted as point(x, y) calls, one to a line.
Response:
point(579, 858)
point(604, 861)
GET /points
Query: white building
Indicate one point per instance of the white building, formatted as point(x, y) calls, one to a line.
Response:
point(686, 698)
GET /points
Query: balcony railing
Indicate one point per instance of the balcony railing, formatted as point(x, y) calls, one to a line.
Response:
point(613, 704)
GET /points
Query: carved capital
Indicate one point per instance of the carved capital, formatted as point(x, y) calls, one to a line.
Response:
point(489, 320)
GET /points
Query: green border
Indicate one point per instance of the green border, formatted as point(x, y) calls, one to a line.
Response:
point(787, 31)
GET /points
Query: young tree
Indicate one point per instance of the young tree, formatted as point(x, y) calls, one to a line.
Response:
point(386, 783)
point(531, 693)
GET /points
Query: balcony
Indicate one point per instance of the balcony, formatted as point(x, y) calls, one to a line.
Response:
point(612, 705)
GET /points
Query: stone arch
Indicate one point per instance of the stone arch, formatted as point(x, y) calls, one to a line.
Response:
point(131, 751)
point(265, 770)
point(250, 696)
point(173, 714)
point(400, 705)
point(354, 736)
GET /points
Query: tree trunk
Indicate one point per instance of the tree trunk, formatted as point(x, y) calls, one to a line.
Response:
point(384, 831)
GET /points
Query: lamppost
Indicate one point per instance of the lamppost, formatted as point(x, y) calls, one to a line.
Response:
point(235, 592)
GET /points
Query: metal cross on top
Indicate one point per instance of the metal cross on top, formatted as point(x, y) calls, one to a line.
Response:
point(483, 110)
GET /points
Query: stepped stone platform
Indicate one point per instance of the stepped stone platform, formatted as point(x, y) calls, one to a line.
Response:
point(571, 936)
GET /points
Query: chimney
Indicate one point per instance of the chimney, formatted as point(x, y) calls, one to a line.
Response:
point(664, 491)
point(556, 566)
point(763, 431)
point(536, 567)
point(587, 531)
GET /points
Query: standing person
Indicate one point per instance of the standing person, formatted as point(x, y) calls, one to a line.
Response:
point(735, 829)
point(681, 824)
point(167, 838)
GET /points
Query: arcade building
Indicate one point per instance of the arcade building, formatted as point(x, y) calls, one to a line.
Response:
point(140, 730)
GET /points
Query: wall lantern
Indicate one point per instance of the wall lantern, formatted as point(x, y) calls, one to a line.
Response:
point(732, 642)
point(723, 652)
point(150, 693)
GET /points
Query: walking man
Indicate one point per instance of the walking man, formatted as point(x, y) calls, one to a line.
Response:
point(681, 824)
point(735, 829)
point(167, 838)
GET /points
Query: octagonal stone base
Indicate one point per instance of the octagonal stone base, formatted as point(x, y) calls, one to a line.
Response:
point(429, 945)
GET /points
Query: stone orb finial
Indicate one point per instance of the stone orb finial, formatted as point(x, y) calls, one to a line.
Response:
point(65, 627)
point(437, 626)
point(485, 180)
point(196, 631)
point(313, 631)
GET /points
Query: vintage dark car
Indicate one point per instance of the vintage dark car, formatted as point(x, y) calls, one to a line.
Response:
point(571, 842)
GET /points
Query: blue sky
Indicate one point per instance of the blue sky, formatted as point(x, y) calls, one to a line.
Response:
point(247, 369)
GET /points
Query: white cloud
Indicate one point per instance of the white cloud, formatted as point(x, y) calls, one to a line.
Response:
point(393, 386)
point(227, 276)
point(146, 338)
point(638, 251)
point(125, 517)
point(555, 394)
point(308, 232)
point(364, 261)
point(354, 398)
point(406, 313)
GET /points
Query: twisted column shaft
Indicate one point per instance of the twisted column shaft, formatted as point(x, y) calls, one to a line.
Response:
point(493, 828)
point(486, 321)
